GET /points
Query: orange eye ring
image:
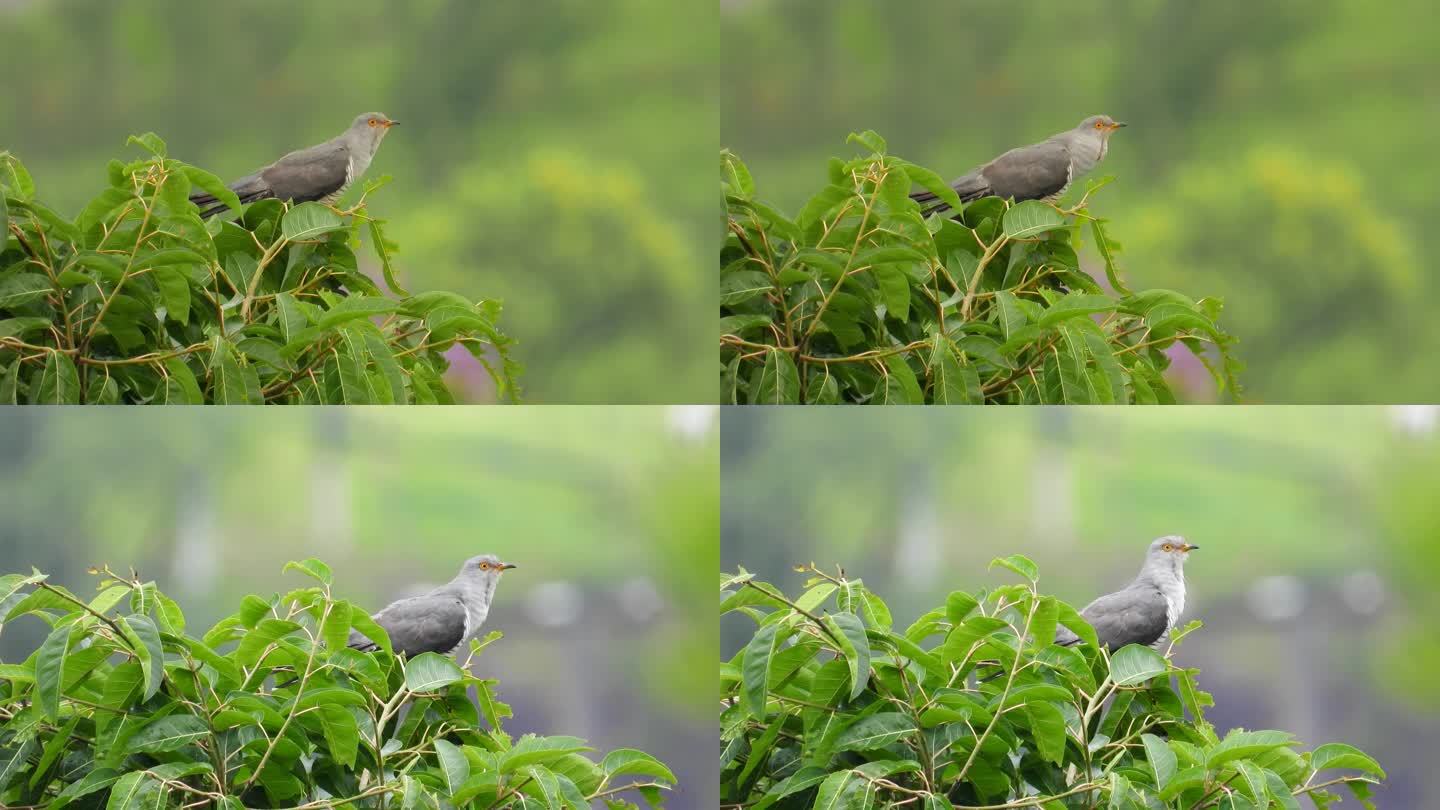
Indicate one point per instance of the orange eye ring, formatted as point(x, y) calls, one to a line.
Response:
point(1168, 547)
point(484, 566)
point(373, 122)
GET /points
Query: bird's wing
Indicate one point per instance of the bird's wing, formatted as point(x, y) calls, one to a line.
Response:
point(309, 174)
point(1029, 172)
point(1131, 616)
point(430, 623)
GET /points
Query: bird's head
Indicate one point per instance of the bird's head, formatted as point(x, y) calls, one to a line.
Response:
point(371, 127)
point(482, 573)
point(1100, 125)
point(1168, 552)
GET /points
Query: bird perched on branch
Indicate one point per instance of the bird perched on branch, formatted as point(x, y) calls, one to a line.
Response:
point(1146, 610)
point(1041, 171)
point(322, 172)
point(444, 619)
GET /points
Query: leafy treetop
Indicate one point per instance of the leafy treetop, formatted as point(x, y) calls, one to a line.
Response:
point(137, 300)
point(830, 706)
point(121, 708)
point(861, 298)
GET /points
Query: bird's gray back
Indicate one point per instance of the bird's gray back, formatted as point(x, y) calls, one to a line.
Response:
point(1136, 615)
point(1036, 172)
point(318, 173)
point(435, 622)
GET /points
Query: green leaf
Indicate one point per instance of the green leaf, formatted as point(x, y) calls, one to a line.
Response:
point(1047, 726)
point(1161, 758)
point(59, 382)
point(756, 668)
point(955, 383)
point(855, 645)
point(361, 621)
point(532, 750)
point(933, 183)
point(260, 641)
point(1108, 248)
point(632, 761)
point(169, 733)
point(779, 380)
point(174, 292)
point(133, 791)
point(359, 307)
point(453, 765)
point(835, 792)
point(18, 327)
point(22, 288)
point(230, 385)
point(210, 184)
point(144, 640)
point(1031, 218)
point(875, 731)
point(290, 318)
point(821, 204)
point(50, 670)
point(308, 221)
point(894, 290)
point(1340, 755)
point(1018, 563)
point(870, 139)
point(1042, 623)
point(1254, 782)
point(900, 385)
point(1243, 744)
point(335, 630)
point(430, 671)
point(382, 252)
point(1071, 619)
point(98, 779)
point(742, 285)
point(1076, 305)
point(311, 567)
point(1134, 664)
point(958, 605)
point(150, 142)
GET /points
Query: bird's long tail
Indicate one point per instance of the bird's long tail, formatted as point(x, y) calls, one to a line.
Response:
point(249, 189)
point(970, 187)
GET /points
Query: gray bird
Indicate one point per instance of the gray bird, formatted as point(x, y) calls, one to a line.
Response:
point(322, 172)
point(1041, 171)
point(1146, 610)
point(444, 619)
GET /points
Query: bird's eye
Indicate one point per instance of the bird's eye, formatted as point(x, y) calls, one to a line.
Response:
point(373, 122)
point(1168, 547)
point(1099, 124)
point(484, 566)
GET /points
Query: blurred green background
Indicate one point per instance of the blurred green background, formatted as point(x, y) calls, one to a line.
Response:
point(611, 515)
point(1280, 155)
point(1318, 533)
point(556, 154)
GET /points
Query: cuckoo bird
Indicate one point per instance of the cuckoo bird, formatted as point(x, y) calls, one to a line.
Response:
point(1146, 610)
point(444, 619)
point(1041, 171)
point(322, 172)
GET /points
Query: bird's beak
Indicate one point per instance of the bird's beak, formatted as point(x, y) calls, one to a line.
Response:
point(1187, 547)
point(389, 124)
point(507, 566)
point(1118, 124)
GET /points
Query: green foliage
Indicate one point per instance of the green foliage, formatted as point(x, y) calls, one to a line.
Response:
point(120, 708)
point(860, 298)
point(137, 300)
point(830, 706)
